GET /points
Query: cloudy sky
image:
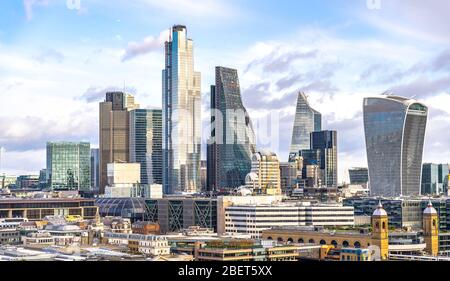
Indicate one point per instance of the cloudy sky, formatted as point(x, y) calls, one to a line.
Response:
point(58, 57)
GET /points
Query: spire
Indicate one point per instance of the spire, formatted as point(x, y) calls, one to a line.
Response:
point(379, 211)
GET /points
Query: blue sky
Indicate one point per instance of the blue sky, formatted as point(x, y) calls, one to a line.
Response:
point(57, 60)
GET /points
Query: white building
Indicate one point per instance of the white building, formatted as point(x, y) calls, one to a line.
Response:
point(253, 219)
point(123, 180)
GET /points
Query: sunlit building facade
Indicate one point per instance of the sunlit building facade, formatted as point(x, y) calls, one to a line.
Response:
point(394, 130)
point(307, 120)
point(146, 143)
point(68, 165)
point(232, 141)
point(181, 115)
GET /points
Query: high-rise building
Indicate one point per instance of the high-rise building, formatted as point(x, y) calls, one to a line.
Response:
point(181, 115)
point(358, 175)
point(434, 179)
point(114, 132)
point(232, 141)
point(264, 177)
point(291, 173)
point(323, 153)
point(95, 169)
point(146, 143)
point(307, 120)
point(394, 130)
point(68, 166)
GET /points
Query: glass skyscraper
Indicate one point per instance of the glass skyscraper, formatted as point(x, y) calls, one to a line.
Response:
point(307, 120)
point(181, 115)
point(358, 175)
point(146, 143)
point(434, 178)
point(323, 152)
point(68, 166)
point(232, 141)
point(394, 130)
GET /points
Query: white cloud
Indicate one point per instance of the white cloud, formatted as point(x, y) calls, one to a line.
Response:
point(149, 44)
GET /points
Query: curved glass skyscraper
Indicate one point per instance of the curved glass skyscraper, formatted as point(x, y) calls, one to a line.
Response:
point(395, 129)
point(232, 142)
point(307, 120)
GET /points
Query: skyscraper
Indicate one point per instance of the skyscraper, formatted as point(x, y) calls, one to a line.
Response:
point(181, 115)
point(146, 143)
point(232, 141)
point(307, 120)
point(95, 168)
point(114, 132)
point(68, 166)
point(358, 175)
point(323, 152)
point(434, 179)
point(394, 130)
point(264, 177)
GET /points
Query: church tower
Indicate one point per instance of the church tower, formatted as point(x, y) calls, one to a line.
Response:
point(431, 229)
point(380, 235)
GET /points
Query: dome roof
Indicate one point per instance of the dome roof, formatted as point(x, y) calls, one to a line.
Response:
point(379, 210)
point(430, 209)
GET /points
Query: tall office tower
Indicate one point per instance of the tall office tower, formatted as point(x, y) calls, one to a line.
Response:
point(42, 178)
point(68, 166)
point(95, 169)
point(323, 153)
point(307, 120)
point(232, 141)
point(114, 132)
point(204, 174)
point(326, 142)
point(394, 129)
point(358, 175)
point(434, 179)
point(264, 177)
point(146, 143)
point(181, 115)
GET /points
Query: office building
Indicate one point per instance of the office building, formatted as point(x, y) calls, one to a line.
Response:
point(69, 166)
point(204, 174)
point(394, 130)
point(291, 174)
point(146, 143)
point(358, 175)
point(307, 120)
point(232, 141)
point(114, 132)
point(181, 99)
point(95, 169)
point(253, 219)
point(38, 208)
point(434, 179)
point(123, 180)
point(323, 153)
point(27, 181)
point(264, 177)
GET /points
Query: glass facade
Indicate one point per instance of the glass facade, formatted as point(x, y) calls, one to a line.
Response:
point(434, 178)
point(323, 152)
point(358, 175)
point(307, 120)
point(146, 143)
point(68, 165)
point(394, 131)
point(95, 168)
point(181, 115)
point(232, 141)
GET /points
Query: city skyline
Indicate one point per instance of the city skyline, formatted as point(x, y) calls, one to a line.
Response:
point(302, 55)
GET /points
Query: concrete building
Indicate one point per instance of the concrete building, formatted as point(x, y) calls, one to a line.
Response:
point(181, 98)
point(114, 132)
point(253, 219)
point(291, 174)
point(123, 180)
point(38, 208)
point(264, 176)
